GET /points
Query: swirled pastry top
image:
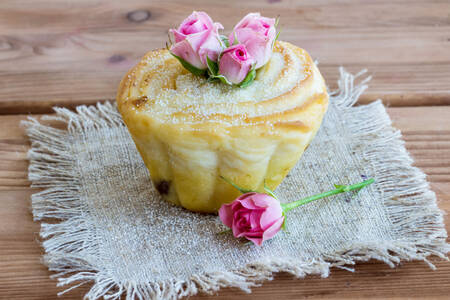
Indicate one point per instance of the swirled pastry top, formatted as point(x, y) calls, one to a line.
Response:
point(162, 89)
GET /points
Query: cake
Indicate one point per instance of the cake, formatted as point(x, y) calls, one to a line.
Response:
point(192, 132)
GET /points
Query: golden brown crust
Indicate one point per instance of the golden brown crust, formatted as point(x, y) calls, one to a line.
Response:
point(188, 137)
point(134, 78)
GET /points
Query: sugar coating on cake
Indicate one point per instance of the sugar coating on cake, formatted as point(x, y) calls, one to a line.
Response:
point(190, 132)
point(160, 87)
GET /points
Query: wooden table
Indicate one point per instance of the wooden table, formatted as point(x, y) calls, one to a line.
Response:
point(68, 53)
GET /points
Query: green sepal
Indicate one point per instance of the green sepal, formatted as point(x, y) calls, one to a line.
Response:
point(235, 41)
point(170, 38)
point(249, 78)
point(277, 20)
point(275, 39)
point(222, 78)
point(283, 226)
point(242, 190)
point(188, 66)
point(277, 36)
point(210, 79)
point(213, 67)
point(225, 40)
point(225, 231)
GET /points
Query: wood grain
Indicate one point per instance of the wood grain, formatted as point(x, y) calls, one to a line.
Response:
point(427, 134)
point(71, 52)
point(68, 53)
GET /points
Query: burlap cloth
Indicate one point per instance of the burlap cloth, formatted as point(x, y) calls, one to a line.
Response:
point(115, 232)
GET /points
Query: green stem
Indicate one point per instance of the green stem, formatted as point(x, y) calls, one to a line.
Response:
point(339, 189)
point(243, 191)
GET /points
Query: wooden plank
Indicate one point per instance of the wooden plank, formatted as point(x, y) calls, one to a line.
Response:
point(23, 277)
point(68, 53)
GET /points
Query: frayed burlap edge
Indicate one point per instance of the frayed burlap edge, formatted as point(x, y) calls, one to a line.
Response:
point(411, 207)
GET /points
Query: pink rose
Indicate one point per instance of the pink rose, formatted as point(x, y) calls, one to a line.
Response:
point(235, 63)
point(257, 34)
point(257, 217)
point(196, 38)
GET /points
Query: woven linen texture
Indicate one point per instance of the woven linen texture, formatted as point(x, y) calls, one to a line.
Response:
point(115, 232)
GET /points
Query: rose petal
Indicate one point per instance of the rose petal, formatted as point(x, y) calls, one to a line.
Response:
point(244, 21)
point(185, 50)
point(242, 213)
point(270, 215)
point(226, 215)
point(211, 46)
point(233, 66)
point(236, 205)
point(193, 26)
point(204, 18)
point(253, 233)
point(245, 200)
point(178, 36)
point(237, 231)
point(242, 218)
point(272, 230)
point(256, 240)
point(261, 24)
point(263, 200)
point(255, 216)
point(258, 43)
point(198, 20)
point(197, 39)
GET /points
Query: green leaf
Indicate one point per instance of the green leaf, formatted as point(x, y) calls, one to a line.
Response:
point(189, 67)
point(242, 190)
point(249, 78)
point(213, 67)
point(225, 40)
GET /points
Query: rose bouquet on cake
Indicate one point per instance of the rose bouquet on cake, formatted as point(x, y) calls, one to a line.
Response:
point(234, 59)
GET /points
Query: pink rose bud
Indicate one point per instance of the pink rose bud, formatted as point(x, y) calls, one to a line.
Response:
point(196, 38)
point(257, 217)
point(235, 63)
point(257, 34)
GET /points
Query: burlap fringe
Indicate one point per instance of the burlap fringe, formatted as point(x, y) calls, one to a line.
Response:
point(411, 207)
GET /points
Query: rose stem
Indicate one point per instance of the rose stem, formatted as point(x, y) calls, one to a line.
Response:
point(339, 189)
